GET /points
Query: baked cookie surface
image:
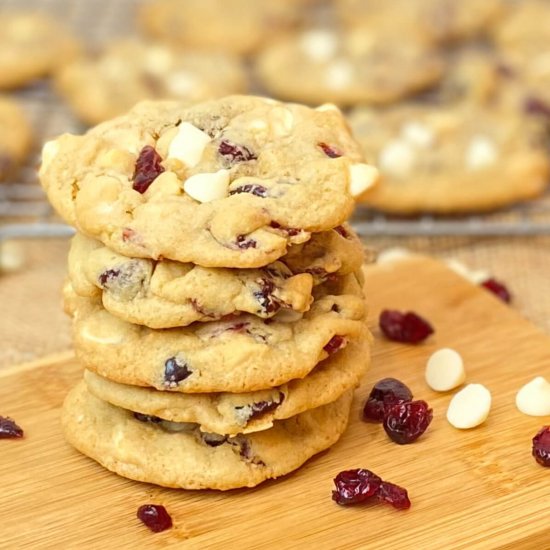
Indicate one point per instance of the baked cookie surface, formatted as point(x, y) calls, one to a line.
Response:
point(445, 160)
point(234, 413)
point(226, 183)
point(15, 136)
point(103, 87)
point(32, 46)
point(180, 456)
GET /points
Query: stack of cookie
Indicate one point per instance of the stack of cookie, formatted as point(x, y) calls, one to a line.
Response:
point(215, 288)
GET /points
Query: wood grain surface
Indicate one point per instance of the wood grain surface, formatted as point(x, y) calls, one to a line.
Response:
point(473, 489)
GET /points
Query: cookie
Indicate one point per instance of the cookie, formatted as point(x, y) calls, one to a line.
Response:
point(234, 413)
point(15, 136)
point(321, 65)
point(167, 294)
point(103, 87)
point(32, 46)
point(226, 183)
point(241, 354)
point(446, 160)
point(180, 456)
point(237, 26)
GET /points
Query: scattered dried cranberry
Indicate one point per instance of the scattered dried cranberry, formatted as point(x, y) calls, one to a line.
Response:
point(148, 167)
point(252, 188)
point(155, 517)
point(341, 230)
point(244, 243)
point(406, 422)
point(235, 153)
point(330, 151)
point(541, 447)
point(268, 302)
point(404, 327)
point(394, 495)
point(9, 429)
point(498, 289)
point(536, 106)
point(175, 372)
point(354, 486)
point(334, 344)
point(260, 408)
point(290, 231)
point(386, 392)
point(107, 277)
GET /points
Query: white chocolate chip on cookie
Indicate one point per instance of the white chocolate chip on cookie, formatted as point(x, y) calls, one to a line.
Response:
point(328, 107)
point(281, 121)
point(339, 74)
point(397, 158)
point(362, 176)
point(49, 151)
point(12, 256)
point(208, 187)
point(417, 134)
point(319, 45)
point(469, 407)
point(534, 398)
point(188, 144)
point(445, 370)
point(481, 153)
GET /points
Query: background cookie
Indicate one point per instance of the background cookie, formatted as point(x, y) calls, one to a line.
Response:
point(15, 136)
point(144, 451)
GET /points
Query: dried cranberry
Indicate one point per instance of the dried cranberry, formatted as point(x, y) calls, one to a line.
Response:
point(354, 486)
point(498, 289)
point(406, 422)
point(213, 440)
point(541, 446)
point(244, 243)
point(341, 230)
point(394, 495)
point(128, 235)
point(330, 151)
point(148, 168)
point(107, 277)
point(268, 302)
point(175, 372)
point(336, 343)
point(290, 231)
point(260, 408)
point(385, 392)
point(252, 188)
point(404, 327)
point(155, 517)
point(536, 106)
point(147, 418)
point(235, 153)
point(9, 429)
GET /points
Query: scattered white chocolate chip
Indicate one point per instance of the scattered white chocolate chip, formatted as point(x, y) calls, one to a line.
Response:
point(49, 151)
point(207, 187)
point(258, 124)
point(475, 276)
point(99, 336)
point(417, 134)
point(445, 370)
point(469, 407)
point(319, 45)
point(397, 158)
point(391, 255)
point(188, 144)
point(281, 121)
point(183, 83)
point(362, 176)
point(534, 398)
point(339, 74)
point(328, 107)
point(482, 152)
point(12, 256)
point(158, 60)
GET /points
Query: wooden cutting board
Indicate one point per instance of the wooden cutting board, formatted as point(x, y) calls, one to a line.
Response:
point(473, 489)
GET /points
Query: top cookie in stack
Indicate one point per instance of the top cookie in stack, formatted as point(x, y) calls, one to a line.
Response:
point(215, 288)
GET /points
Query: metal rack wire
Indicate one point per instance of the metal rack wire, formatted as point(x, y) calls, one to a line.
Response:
point(24, 211)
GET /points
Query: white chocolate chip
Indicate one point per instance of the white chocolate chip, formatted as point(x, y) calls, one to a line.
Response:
point(158, 60)
point(417, 134)
point(49, 151)
point(258, 124)
point(207, 187)
point(469, 407)
point(397, 158)
point(534, 398)
point(445, 370)
point(183, 84)
point(391, 255)
point(482, 152)
point(328, 107)
point(339, 74)
point(188, 144)
point(475, 276)
point(281, 121)
point(319, 45)
point(12, 256)
point(362, 176)
point(100, 336)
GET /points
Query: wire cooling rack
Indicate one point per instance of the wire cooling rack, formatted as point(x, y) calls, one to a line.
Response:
point(24, 211)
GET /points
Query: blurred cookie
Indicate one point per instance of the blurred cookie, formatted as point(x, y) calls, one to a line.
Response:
point(445, 160)
point(321, 65)
point(32, 46)
point(15, 136)
point(236, 26)
point(129, 71)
